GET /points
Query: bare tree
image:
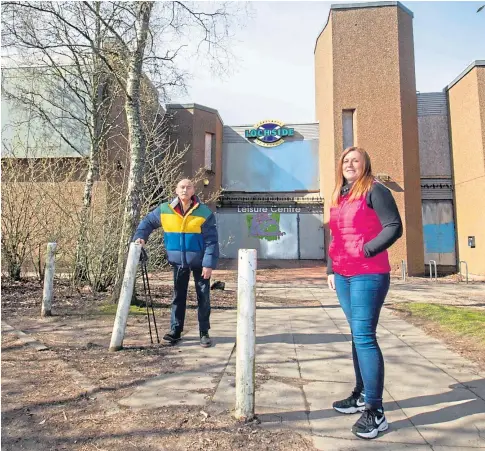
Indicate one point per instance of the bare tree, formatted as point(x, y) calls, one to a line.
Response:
point(32, 189)
point(18, 227)
point(132, 42)
point(154, 49)
point(135, 54)
point(61, 44)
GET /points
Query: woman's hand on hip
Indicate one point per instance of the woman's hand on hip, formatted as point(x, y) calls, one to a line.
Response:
point(331, 281)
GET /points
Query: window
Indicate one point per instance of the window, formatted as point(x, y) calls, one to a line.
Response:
point(209, 152)
point(348, 128)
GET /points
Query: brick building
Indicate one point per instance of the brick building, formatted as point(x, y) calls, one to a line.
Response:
point(428, 148)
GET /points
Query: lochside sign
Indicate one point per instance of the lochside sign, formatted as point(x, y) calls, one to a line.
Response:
point(269, 133)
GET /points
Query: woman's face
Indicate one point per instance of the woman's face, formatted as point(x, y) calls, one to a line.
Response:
point(352, 166)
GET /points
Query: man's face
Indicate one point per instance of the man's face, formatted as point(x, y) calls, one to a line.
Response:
point(185, 190)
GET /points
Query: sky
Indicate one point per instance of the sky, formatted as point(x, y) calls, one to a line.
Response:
point(273, 77)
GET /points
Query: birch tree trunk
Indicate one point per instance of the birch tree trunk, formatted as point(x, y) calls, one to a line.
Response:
point(81, 264)
point(136, 138)
point(81, 270)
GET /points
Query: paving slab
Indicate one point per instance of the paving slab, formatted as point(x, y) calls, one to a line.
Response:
point(171, 389)
point(326, 421)
point(434, 398)
point(206, 365)
point(418, 364)
point(348, 444)
point(445, 416)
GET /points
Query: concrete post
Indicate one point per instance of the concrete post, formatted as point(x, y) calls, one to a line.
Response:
point(125, 297)
point(246, 334)
point(404, 270)
point(48, 280)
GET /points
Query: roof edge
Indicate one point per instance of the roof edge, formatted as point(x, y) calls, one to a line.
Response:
point(321, 32)
point(193, 106)
point(342, 6)
point(471, 66)
point(286, 124)
point(371, 5)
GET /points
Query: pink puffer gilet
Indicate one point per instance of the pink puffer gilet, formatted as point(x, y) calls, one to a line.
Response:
point(352, 225)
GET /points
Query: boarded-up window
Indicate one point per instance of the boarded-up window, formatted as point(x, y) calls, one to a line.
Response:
point(209, 150)
point(348, 128)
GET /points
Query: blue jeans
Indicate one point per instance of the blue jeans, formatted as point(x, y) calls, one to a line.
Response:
point(181, 278)
point(361, 298)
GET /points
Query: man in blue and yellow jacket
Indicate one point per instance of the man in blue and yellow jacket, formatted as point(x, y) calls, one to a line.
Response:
point(191, 242)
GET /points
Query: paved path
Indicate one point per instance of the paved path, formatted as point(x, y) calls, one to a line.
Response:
point(434, 399)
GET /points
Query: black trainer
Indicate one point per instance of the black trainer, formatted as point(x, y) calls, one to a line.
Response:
point(205, 340)
point(173, 336)
point(353, 404)
point(370, 424)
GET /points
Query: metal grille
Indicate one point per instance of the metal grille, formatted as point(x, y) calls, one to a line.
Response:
point(260, 198)
point(436, 189)
point(432, 103)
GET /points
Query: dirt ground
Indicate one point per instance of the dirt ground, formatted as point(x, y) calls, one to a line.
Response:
point(64, 398)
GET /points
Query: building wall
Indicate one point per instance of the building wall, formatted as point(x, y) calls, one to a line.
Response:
point(286, 171)
point(24, 132)
point(218, 175)
point(467, 122)
point(413, 231)
point(373, 74)
point(190, 124)
point(433, 132)
point(324, 100)
point(439, 232)
point(291, 166)
point(207, 122)
point(434, 136)
point(182, 122)
point(273, 235)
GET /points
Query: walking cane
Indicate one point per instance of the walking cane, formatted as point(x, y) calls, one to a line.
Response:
point(148, 295)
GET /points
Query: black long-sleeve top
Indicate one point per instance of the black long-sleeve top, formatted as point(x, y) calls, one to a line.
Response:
point(380, 199)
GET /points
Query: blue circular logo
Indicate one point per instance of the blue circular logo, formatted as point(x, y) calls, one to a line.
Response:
point(269, 133)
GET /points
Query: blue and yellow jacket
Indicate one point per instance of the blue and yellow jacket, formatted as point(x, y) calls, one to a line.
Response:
point(190, 240)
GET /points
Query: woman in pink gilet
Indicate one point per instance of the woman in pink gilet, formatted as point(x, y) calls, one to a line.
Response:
point(364, 223)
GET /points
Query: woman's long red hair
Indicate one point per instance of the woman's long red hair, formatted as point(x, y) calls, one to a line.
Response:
point(362, 185)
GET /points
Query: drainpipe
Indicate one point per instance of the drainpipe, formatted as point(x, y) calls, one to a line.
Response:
point(298, 234)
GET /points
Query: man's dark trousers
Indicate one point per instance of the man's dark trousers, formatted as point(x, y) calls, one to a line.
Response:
point(181, 278)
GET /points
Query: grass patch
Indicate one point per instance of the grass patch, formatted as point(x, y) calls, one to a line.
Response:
point(110, 309)
point(459, 320)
